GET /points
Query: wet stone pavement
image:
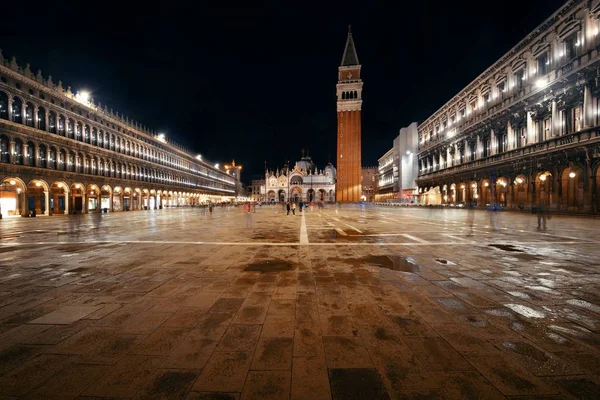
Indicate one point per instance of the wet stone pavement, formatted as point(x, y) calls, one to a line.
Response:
point(346, 303)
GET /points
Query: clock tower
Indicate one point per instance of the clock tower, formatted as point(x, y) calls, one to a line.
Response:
point(349, 105)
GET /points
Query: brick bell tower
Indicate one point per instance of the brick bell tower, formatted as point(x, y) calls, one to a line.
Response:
point(349, 104)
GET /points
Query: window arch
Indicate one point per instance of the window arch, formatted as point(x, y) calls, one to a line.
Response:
point(43, 156)
point(41, 118)
point(18, 156)
point(62, 160)
point(17, 105)
point(79, 163)
point(3, 105)
point(52, 159)
point(78, 132)
point(61, 125)
point(4, 149)
point(71, 129)
point(71, 164)
point(29, 154)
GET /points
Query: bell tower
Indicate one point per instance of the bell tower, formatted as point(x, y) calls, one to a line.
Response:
point(349, 105)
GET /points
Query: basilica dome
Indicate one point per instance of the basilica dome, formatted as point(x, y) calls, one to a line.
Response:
point(331, 171)
point(306, 164)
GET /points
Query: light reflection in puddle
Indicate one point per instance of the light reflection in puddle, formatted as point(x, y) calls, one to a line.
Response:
point(584, 304)
point(525, 311)
point(547, 282)
point(520, 295)
point(540, 288)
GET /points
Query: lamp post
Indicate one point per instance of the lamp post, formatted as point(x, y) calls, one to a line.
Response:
point(287, 172)
point(237, 172)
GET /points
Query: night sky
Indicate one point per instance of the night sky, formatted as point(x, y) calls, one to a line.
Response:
point(256, 83)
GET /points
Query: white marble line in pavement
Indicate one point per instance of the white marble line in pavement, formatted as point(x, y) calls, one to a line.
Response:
point(455, 237)
point(409, 244)
point(303, 234)
point(351, 227)
point(406, 235)
point(341, 232)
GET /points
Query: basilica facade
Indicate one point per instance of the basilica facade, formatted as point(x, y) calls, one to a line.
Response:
point(527, 130)
point(304, 182)
point(60, 152)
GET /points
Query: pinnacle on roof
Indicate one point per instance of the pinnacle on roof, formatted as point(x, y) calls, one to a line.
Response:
point(350, 57)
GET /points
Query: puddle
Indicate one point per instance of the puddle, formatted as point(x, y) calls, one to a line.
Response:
point(395, 263)
point(507, 247)
point(269, 266)
point(525, 311)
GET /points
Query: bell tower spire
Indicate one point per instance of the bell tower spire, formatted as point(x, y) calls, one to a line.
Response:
point(349, 131)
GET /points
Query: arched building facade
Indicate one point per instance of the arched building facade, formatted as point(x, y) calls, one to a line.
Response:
point(527, 130)
point(60, 152)
point(305, 182)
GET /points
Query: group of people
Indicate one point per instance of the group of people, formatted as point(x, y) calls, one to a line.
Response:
point(291, 206)
point(540, 210)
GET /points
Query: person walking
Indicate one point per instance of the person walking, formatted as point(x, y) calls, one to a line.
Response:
point(471, 216)
point(293, 208)
point(542, 213)
point(288, 207)
point(97, 218)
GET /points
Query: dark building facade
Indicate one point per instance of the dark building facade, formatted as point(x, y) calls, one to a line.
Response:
point(60, 152)
point(526, 131)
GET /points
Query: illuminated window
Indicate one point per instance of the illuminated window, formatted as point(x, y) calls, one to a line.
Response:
point(547, 128)
point(571, 44)
point(519, 78)
point(543, 64)
point(501, 89)
point(576, 119)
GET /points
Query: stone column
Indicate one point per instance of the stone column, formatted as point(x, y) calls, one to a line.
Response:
point(555, 127)
point(47, 202)
point(67, 197)
point(36, 157)
point(36, 122)
point(10, 109)
point(588, 110)
point(11, 152)
point(25, 152)
point(588, 177)
point(531, 137)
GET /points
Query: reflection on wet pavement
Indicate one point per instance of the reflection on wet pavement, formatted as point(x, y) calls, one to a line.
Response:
point(381, 303)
